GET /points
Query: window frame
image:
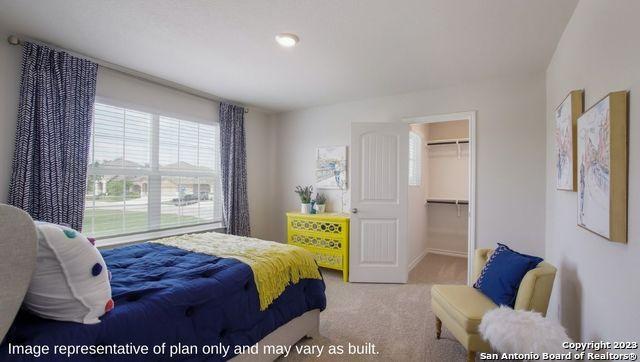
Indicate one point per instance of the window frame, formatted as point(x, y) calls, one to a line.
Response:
point(154, 176)
point(417, 160)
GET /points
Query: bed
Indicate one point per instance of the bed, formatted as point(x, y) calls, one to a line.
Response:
point(163, 294)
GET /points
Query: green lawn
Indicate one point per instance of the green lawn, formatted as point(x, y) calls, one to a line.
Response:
point(108, 222)
point(113, 198)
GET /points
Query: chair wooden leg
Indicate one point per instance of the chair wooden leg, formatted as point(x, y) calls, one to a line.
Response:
point(438, 328)
point(471, 356)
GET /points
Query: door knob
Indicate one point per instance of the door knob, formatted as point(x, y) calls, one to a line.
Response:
point(354, 210)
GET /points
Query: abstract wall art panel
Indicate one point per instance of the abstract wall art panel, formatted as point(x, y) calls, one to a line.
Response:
point(331, 167)
point(566, 116)
point(602, 140)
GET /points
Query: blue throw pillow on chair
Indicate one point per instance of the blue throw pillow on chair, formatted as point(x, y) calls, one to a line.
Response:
point(501, 276)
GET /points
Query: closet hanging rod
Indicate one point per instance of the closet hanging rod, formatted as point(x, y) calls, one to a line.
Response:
point(15, 40)
point(449, 202)
point(447, 142)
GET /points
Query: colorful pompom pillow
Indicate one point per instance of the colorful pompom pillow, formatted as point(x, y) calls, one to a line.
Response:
point(71, 281)
point(501, 276)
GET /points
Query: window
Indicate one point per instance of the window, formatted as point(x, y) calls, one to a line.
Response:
point(414, 159)
point(148, 172)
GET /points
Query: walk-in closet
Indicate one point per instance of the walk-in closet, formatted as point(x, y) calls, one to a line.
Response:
point(439, 179)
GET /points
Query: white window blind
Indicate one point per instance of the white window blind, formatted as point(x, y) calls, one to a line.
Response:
point(149, 172)
point(415, 168)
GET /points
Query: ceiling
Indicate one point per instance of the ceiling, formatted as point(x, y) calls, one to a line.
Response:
point(349, 49)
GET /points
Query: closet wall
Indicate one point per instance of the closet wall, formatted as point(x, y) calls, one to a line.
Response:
point(447, 168)
point(417, 210)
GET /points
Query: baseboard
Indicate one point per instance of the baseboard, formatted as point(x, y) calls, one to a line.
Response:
point(457, 254)
point(418, 259)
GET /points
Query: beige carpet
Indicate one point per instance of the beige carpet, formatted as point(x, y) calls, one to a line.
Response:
point(397, 318)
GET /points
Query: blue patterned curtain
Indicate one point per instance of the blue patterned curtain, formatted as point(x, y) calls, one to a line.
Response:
point(57, 93)
point(233, 158)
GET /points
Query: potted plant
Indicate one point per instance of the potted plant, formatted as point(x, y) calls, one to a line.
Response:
point(320, 200)
point(305, 198)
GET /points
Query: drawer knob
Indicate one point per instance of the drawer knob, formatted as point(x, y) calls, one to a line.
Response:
point(354, 210)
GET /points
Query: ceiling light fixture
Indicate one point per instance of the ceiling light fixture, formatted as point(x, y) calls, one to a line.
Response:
point(287, 40)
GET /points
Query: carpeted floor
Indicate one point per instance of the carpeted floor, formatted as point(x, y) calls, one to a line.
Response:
point(397, 318)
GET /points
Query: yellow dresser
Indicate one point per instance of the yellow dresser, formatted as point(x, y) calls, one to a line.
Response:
point(325, 235)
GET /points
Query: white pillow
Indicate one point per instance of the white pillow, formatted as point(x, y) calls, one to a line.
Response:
point(71, 281)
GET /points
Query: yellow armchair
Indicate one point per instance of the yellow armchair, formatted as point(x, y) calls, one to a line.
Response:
point(461, 308)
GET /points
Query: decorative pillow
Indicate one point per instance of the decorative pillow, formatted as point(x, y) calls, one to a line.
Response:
point(71, 281)
point(501, 276)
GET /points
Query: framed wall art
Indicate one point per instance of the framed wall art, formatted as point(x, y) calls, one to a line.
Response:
point(602, 167)
point(331, 167)
point(566, 115)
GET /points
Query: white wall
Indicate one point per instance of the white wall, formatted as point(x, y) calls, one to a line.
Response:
point(597, 290)
point(447, 231)
point(261, 174)
point(418, 218)
point(10, 63)
point(448, 174)
point(259, 130)
point(448, 130)
point(510, 152)
point(144, 95)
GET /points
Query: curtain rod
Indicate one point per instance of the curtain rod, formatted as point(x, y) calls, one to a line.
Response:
point(15, 40)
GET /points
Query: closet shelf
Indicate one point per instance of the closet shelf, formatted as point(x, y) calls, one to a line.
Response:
point(453, 141)
point(457, 202)
point(447, 201)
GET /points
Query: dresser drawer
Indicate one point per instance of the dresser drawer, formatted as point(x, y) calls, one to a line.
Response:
point(319, 241)
point(327, 251)
point(318, 226)
point(329, 260)
point(326, 236)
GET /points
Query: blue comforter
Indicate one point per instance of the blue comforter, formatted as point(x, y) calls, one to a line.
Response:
point(168, 295)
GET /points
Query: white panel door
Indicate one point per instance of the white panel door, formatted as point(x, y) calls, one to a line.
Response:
point(379, 180)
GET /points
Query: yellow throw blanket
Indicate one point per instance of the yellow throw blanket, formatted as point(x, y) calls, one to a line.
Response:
point(274, 265)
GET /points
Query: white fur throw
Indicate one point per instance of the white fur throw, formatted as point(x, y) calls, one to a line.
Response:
point(519, 331)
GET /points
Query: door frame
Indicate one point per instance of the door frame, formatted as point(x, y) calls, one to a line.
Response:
point(470, 116)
